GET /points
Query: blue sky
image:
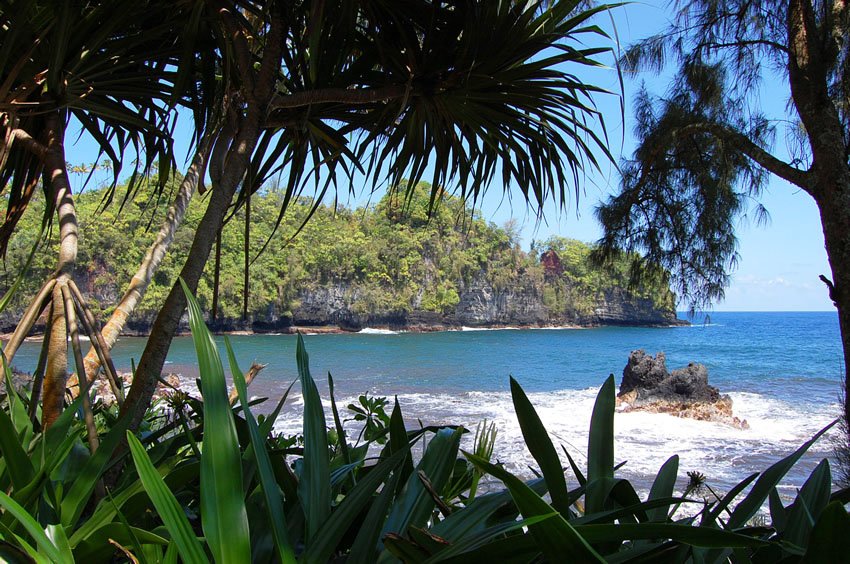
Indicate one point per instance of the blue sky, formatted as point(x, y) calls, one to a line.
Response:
point(779, 263)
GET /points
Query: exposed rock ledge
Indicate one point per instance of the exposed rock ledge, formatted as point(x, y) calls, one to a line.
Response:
point(684, 392)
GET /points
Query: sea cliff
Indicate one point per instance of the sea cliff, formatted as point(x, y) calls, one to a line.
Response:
point(398, 264)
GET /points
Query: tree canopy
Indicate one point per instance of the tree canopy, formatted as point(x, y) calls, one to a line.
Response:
point(707, 147)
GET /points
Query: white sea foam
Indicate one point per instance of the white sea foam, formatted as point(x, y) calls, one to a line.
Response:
point(645, 440)
point(372, 331)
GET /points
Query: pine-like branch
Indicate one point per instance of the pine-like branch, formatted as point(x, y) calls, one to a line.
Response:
point(754, 152)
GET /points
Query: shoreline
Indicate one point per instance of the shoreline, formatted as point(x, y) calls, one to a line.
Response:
point(380, 329)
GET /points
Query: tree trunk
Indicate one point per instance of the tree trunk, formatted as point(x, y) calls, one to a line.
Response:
point(142, 279)
point(246, 284)
point(167, 320)
point(216, 276)
point(808, 69)
point(56, 373)
point(835, 218)
point(258, 86)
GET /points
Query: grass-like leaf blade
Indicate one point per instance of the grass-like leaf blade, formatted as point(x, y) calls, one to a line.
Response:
point(34, 529)
point(271, 492)
point(166, 505)
point(600, 448)
point(314, 487)
point(223, 515)
point(555, 537)
point(540, 445)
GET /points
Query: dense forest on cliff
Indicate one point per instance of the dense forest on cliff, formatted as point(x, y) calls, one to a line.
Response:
point(377, 264)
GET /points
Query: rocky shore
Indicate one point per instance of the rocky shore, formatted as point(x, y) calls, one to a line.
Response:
point(684, 392)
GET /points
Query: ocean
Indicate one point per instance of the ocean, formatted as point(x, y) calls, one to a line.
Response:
point(782, 370)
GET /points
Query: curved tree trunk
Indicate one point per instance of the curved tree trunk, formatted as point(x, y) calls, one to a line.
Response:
point(829, 175)
point(156, 252)
point(257, 89)
point(56, 373)
point(836, 230)
point(167, 320)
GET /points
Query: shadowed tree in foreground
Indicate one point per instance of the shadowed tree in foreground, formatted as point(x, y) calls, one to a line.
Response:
point(706, 150)
point(470, 92)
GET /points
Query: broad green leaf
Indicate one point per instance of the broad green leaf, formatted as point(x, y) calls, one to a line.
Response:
point(314, 486)
point(17, 410)
point(414, 504)
point(271, 492)
point(16, 458)
point(662, 487)
point(485, 536)
point(45, 545)
point(10, 554)
point(166, 504)
point(340, 430)
point(555, 537)
point(811, 501)
point(80, 492)
point(56, 533)
point(778, 512)
point(223, 515)
point(515, 549)
point(473, 517)
point(366, 544)
point(750, 505)
point(600, 449)
point(108, 508)
point(399, 441)
point(329, 536)
point(706, 537)
point(830, 538)
point(540, 445)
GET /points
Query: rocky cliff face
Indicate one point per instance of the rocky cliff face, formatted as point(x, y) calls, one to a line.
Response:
point(480, 305)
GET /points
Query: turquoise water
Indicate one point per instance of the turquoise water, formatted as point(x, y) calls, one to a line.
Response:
point(783, 371)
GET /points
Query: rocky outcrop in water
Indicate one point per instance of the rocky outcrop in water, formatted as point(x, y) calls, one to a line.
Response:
point(684, 392)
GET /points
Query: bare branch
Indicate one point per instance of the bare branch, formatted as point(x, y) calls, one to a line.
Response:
point(24, 138)
point(780, 168)
point(338, 95)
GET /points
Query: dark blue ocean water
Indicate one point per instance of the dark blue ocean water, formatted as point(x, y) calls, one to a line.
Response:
point(783, 371)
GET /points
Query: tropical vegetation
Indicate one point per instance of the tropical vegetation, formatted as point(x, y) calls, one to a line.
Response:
point(708, 147)
point(320, 93)
point(211, 482)
point(392, 257)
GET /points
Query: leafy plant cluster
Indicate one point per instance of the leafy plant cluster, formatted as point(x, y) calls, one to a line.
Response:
point(211, 482)
point(393, 256)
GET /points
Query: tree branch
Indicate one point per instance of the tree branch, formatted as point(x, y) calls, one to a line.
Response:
point(25, 139)
point(743, 43)
point(240, 46)
point(337, 95)
point(780, 168)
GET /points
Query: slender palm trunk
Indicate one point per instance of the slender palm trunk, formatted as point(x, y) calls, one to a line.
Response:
point(216, 276)
point(258, 86)
point(246, 284)
point(167, 320)
point(156, 252)
point(56, 373)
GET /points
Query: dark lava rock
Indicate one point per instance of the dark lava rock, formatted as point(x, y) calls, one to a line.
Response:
point(684, 392)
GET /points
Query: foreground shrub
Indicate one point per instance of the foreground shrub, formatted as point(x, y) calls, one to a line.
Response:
point(212, 483)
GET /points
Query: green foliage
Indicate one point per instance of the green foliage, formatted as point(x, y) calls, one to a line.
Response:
point(390, 257)
point(316, 503)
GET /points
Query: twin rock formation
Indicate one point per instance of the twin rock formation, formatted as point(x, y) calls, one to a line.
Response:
point(684, 392)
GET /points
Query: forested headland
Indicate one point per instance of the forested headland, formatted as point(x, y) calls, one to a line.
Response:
point(388, 264)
